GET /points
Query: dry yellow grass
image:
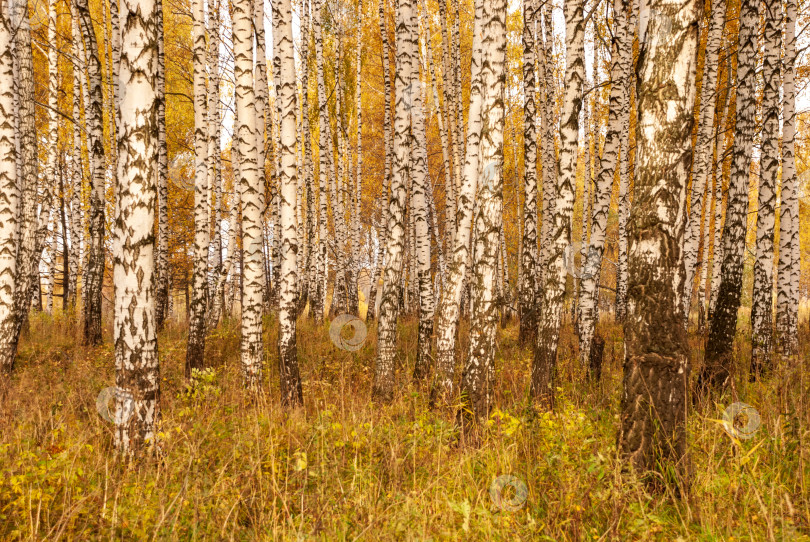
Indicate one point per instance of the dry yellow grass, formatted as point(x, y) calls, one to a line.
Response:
point(344, 468)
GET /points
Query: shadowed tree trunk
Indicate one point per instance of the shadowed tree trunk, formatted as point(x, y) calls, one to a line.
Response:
point(652, 434)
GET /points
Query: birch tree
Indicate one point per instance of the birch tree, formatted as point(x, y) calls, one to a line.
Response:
point(449, 309)
point(528, 317)
point(478, 375)
point(324, 150)
point(9, 190)
point(652, 432)
point(135, 333)
point(383, 385)
point(252, 350)
point(553, 269)
point(195, 353)
point(762, 299)
point(789, 260)
point(94, 272)
point(162, 288)
point(723, 327)
point(291, 394)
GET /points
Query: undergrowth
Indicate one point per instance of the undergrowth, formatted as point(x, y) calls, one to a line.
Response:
point(345, 468)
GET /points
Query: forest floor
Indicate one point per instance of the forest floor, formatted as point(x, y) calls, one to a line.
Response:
point(345, 468)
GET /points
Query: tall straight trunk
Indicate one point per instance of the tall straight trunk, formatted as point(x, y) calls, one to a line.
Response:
point(553, 269)
point(251, 197)
point(53, 134)
point(10, 200)
point(453, 172)
point(77, 170)
point(291, 394)
point(449, 308)
point(162, 289)
point(324, 151)
point(457, 88)
point(420, 211)
point(478, 376)
point(27, 269)
point(94, 273)
point(528, 287)
point(787, 297)
point(548, 123)
point(703, 147)
point(718, 365)
point(137, 374)
point(214, 164)
point(606, 171)
point(309, 276)
point(195, 354)
point(358, 178)
point(265, 131)
point(652, 433)
point(387, 172)
point(383, 386)
point(762, 300)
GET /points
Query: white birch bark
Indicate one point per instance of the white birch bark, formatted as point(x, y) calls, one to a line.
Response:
point(251, 197)
point(553, 272)
point(195, 353)
point(135, 333)
point(478, 375)
point(324, 152)
point(703, 147)
point(162, 288)
point(291, 394)
point(789, 270)
point(10, 200)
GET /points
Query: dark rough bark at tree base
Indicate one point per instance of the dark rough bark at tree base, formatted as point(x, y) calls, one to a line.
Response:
point(595, 358)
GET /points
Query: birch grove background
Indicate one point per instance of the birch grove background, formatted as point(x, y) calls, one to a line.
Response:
point(404, 269)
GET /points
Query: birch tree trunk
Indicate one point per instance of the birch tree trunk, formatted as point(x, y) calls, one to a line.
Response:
point(528, 287)
point(608, 161)
point(291, 394)
point(789, 271)
point(251, 198)
point(137, 374)
point(77, 170)
point(53, 136)
point(652, 434)
point(162, 289)
point(383, 386)
point(718, 358)
point(309, 276)
point(703, 148)
point(449, 308)
point(94, 273)
point(214, 164)
point(10, 200)
point(762, 299)
point(419, 209)
point(553, 271)
point(479, 374)
point(324, 146)
point(195, 354)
